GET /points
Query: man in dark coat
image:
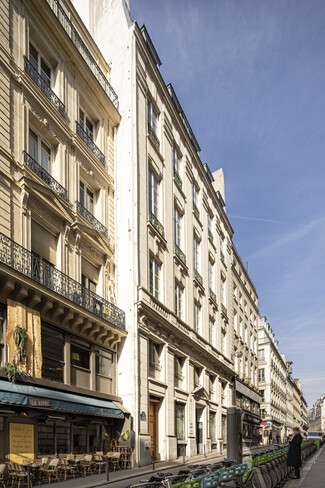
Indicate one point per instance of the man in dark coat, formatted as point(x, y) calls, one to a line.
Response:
point(294, 453)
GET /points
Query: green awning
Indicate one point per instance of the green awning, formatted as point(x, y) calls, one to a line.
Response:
point(35, 396)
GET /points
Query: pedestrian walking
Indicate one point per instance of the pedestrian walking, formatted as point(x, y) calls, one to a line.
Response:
point(278, 439)
point(294, 453)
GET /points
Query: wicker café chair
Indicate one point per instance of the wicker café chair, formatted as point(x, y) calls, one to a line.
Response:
point(52, 471)
point(67, 469)
point(2, 475)
point(87, 464)
point(99, 463)
point(115, 461)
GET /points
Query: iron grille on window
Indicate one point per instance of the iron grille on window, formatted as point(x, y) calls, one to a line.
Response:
point(44, 87)
point(212, 295)
point(178, 180)
point(198, 277)
point(91, 219)
point(157, 225)
point(41, 271)
point(45, 176)
point(224, 310)
point(153, 137)
point(90, 143)
point(83, 50)
point(179, 253)
point(180, 421)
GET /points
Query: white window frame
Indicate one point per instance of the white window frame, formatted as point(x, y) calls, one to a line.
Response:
point(197, 318)
point(154, 277)
point(38, 67)
point(177, 227)
point(89, 202)
point(196, 253)
point(211, 275)
point(178, 294)
point(83, 123)
point(176, 162)
point(152, 117)
point(41, 141)
point(153, 193)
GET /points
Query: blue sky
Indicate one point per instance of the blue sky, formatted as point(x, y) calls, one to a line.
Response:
point(250, 75)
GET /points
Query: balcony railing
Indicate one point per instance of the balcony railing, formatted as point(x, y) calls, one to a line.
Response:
point(198, 277)
point(212, 295)
point(44, 87)
point(210, 235)
point(41, 271)
point(224, 310)
point(178, 180)
point(83, 50)
point(153, 137)
point(222, 257)
point(45, 176)
point(157, 225)
point(90, 143)
point(91, 219)
point(196, 211)
point(179, 253)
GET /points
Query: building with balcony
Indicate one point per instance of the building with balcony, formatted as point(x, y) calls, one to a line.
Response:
point(272, 383)
point(316, 416)
point(174, 255)
point(244, 318)
point(60, 328)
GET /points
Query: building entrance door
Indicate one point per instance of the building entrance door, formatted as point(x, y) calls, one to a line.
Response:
point(199, 431)
point(153, 427)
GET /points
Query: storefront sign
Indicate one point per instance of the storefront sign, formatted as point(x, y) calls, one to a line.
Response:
point(21, 442)
point(39, 402)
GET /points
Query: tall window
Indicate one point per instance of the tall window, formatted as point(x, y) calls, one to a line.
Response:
point(240, 299)
point(152, 118)
point(86, 196)
point(235, 290)
point(154, 277)
point(197, 376)
point(211, 332)
point(153, 194)
point(261, 356)
point(53, 353)
point(261, 375)
point(235, 321)
point(104, 362)
point(86, 124)
point(222, 292)
point(180, 421)
point(154, 354)
point(212, 426)
point(80, 353)
point(179, 367)
point(178, 300)
point(246, 335)
point(176, 163)
point(177, 227)
point(210, 224)
point(88, 283)
point(211, 275)
point(222, 246)
point(39, 64)
point(224, 343)
point(197, 317)
point(39, 150)
point(195, 195)
point(196, 246)
point(241, 327)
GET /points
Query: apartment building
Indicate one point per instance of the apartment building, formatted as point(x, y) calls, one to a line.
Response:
point(245, 328)
point(272, 376)
point(299, 406)
point(289, 403)
point(316, 416)
point(173, 256)
point(59, 320)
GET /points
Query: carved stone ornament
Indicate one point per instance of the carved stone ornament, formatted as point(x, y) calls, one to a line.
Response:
point(24, 200)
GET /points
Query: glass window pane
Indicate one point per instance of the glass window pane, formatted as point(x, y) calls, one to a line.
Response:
point(81, 118)
point(80, 353)
point(82, 193)
point(45, 72)
point(104, 362)
point(33, 56)
point(45, 157)
point(89, 128)
point(33, 145)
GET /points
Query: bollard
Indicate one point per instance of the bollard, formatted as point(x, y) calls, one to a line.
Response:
point(28, 476)
point(183, 454)
point(153, 460)
point(107, 469)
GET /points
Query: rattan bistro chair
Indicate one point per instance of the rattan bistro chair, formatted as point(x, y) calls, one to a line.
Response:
point(67, 469)
point(2, 475)
point(115, 461)
point(52, 471)
point(87, 464)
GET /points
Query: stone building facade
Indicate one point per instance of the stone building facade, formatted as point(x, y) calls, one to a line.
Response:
point(245, 328)
point(58, 119)
point(316, 416)
point(174, 256)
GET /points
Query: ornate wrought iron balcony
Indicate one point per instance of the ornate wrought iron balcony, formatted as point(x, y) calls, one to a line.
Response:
point(212, 295)
point(39, 270)
point(224, 310)
point(91, 219)
point(196, 211)
point(198, 277)
point(45, 176)
point(157, 225)
point(178, 180)
point(179, 253)
point(222, 257)
point(81, 47)
point(90, 143)
point(44, 87)
point(153, 137)
point(210, 235)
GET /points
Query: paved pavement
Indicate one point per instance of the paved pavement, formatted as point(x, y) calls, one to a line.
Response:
point(313, 472)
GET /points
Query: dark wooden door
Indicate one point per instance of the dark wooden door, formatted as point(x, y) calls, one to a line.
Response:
point(152, 427)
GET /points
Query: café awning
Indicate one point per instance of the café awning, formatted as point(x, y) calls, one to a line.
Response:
point(35, 396)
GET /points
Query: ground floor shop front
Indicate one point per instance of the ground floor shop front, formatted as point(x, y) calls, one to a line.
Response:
point(36, 422)
point(246, 398)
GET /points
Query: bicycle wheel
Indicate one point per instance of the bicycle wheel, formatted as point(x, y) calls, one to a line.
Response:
point(273, 477)
point(267, 481)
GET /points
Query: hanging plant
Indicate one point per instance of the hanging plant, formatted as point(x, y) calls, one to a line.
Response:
point(13, 374)
point(20, 337)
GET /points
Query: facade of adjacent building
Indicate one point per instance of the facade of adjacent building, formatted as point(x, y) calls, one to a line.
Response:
point(174, 257)
point(272, 374)
point(245, 323)
point(299, 406)
point(316, 416)
point(59, 323)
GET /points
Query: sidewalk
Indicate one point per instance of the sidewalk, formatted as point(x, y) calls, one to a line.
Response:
point(121, 479)
point(313, 472)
